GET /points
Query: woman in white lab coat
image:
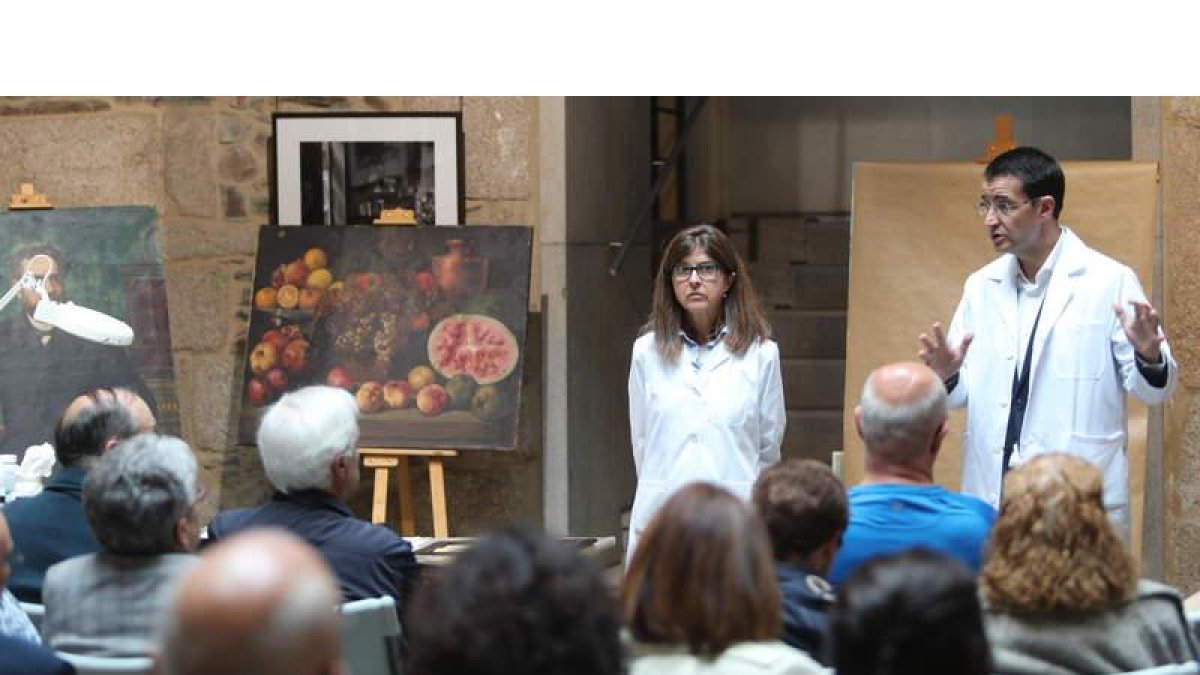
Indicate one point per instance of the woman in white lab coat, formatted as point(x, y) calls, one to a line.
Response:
point(705, 390)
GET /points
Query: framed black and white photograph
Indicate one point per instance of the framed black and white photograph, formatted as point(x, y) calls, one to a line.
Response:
point(347, 168)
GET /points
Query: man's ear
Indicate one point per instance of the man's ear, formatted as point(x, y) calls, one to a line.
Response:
point(938, 437)
point(1045, 205)
point(109, 444)
point(182, 534)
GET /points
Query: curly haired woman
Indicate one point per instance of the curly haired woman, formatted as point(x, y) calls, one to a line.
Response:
point(1061, 592)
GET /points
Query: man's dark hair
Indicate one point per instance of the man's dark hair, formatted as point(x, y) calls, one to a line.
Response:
point(516, 602)
point(1039, 173)
point(34, 248)
point(913, 613)
point(80, 439)
point(803, 505)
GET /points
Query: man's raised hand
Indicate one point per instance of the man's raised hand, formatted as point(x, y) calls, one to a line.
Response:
point(940, 356)
point(1141, 329)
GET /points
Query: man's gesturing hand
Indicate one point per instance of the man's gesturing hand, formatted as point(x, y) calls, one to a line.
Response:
point(939, 356)
point(1141, 329)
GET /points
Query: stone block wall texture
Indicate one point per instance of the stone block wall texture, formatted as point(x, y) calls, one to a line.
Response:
point(202, 162)
point(1180, 170)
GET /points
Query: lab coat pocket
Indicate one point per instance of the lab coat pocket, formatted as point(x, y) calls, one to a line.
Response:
point(1079, 350)
point(1102, 451)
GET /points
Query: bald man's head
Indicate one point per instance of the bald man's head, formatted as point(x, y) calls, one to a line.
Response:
point(98, 420)
point(902, 413)
point(262, 602)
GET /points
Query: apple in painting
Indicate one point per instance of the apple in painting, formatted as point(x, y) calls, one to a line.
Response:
point(397, 394)
point(425, 281)
point(263, 358)
point(277, 379)
point(310, 298)
point(295, 356)
point(369, 397)
point(338, 377)
point(432, 399)
point(275, 337)
point(296, 273)
point(258, 392)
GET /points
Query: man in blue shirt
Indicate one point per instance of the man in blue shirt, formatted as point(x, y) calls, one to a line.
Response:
point(902, 420)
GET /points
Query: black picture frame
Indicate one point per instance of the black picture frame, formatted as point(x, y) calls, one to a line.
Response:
point(343, 168)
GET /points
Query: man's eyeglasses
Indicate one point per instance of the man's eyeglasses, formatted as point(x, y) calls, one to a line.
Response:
point(707, 271)
point(1003, 207)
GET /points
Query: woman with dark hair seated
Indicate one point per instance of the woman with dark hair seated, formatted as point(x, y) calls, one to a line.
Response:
point(912, 613)
point(516, 602)
point(700, 594)
point(1061, 592)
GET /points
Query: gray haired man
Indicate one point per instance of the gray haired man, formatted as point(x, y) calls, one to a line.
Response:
point(140, 500)
point(902, 420)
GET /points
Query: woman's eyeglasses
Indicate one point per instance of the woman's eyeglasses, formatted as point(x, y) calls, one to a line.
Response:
point(707, 271)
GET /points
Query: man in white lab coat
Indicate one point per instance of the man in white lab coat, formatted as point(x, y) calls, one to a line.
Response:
point(1057, 334)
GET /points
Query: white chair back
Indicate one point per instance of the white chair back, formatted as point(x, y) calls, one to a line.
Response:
point(370, 631)
point(108, 665)
point(36, 614)
point(1190, 668)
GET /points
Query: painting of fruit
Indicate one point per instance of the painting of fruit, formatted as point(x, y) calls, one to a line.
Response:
point(397, 394)
point(461, 388)
point(338, 377)
point(424, 326)
point(369, 397)
point(263, 358)
point(475, 345)
point(432, 400)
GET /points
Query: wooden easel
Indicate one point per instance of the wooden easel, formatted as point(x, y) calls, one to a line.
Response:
point(382, 460)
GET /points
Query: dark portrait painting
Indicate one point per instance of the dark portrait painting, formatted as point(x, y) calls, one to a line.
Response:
point(425, 326)
point(101, 272)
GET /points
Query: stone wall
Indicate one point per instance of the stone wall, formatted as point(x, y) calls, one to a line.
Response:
point(202, 162)
point(1179, 126)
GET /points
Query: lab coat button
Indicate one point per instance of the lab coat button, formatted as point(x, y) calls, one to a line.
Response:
point(1003, 404)
point(996, 451)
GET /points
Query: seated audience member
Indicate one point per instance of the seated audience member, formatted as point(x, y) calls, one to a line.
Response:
point(912, 613)
point(1060, 590)
point(262, 602)
point(14, 622)
point(804, 508)
point(20, 656)
point(140, 501)
point(50, 526)
point(516, 602)
point(308, 444)
point(700, 595)
point(902, 421)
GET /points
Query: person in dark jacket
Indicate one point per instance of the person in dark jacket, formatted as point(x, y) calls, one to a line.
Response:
point(308, 444)
point(804, 507)
point(50, 526)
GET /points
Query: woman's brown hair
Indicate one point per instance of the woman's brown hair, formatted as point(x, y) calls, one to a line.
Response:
point(741, 310)
point(1053, 547)
point(702, 575)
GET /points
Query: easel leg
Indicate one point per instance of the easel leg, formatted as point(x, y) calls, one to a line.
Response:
point(379, 498)
point(408, 525)
point(437, 493)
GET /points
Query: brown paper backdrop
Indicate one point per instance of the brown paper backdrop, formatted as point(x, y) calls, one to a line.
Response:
point(915, 237)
